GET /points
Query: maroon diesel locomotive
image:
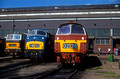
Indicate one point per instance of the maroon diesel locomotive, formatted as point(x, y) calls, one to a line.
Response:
point(70, 43)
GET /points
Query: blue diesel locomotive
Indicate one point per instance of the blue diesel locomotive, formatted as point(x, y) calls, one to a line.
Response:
point(38, 44)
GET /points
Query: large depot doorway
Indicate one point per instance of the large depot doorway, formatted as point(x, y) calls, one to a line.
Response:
point(90, 45)
point(116, 43)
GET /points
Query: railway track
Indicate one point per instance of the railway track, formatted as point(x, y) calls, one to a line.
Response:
point(7, 58)
point(12, 63)
point(60, 73)
point(5, 72)
point(57, 73)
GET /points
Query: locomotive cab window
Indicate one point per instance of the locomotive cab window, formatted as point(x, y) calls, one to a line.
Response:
point(64, 29)
point(37, 32)
point(13, 37)
point(17, 37)
point(32, 32)
point(41, 32)
point(77, 29)
point(71, 29)
point(9, 37)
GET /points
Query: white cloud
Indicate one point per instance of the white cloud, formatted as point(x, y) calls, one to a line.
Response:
point(112, 0)
point(87, 4)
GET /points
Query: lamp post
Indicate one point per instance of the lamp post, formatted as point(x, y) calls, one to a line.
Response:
point(13, 25)
point(28, 25)
point(0, 31)
point(76, 20)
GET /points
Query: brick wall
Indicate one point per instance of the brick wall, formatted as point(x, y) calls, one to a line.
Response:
point(104, 47)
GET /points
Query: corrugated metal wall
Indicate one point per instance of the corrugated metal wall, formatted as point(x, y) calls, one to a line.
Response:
point(98, 28)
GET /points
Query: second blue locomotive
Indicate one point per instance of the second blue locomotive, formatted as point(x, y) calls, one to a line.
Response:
point(37, 44)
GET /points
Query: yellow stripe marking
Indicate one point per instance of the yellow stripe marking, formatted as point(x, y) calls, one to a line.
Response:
point(16, 47)
point(41, 45)
point(70, 42)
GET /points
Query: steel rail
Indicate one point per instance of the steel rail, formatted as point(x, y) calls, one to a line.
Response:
point(15, 68)
point(72, 74)
point(47, 73)
point(67, 74)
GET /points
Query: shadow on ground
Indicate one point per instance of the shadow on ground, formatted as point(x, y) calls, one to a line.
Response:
point(89, 62)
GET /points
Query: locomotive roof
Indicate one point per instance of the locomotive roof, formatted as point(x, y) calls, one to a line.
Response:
point(14, 33)
point(39, 29)
point(70, 23)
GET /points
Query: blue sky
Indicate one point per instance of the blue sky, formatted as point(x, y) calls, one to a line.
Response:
point(33, 3)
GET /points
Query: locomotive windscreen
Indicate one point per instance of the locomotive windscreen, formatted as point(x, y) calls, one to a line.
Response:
point(13, 37)
point(37, 32)
point(9, 37)
point(17, 37)
point(32, 32)
point(64, 29)
point(71, 29)
point(41, 32)
point(77, 29)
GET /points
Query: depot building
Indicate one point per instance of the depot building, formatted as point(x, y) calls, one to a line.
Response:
point(102, 22)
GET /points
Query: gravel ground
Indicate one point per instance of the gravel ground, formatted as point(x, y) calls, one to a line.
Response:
point(12, 62)
point(37, 69)
point(30, 72)
point(99, 67)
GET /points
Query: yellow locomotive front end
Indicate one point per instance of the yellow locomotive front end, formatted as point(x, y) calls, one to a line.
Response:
point(71, 45)
point(14, 45)
point(13, 48)
point(34, 45)
point(34, 49)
